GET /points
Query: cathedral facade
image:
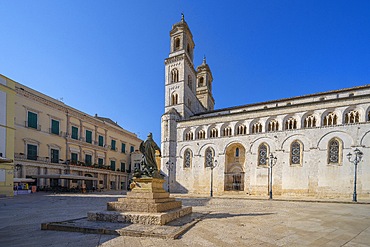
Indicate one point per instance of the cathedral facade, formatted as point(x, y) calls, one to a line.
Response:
point(305, 139)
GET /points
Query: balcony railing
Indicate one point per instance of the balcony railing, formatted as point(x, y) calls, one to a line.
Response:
point(37, 127)
point(21, 156)
point(60, 133)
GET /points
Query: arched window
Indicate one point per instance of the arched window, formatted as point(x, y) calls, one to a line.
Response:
point(189, 136)
point(273, 125)
point(201, 134)
point(310, 121)
point(227, 131)
point(174, 75)
point(334, 151)
point(256, 128)
point(187, 158)
point(241, 130)
point(177, 44)
point(174, 99)
point(201, 82)
point(352, 117)
point(190, 82)
point(209, 157)
point(330, 119)
point(291, 123)
point(368, 116)
point(262, 154)
point(295, 153)
point(237, 152)
point(214, 133)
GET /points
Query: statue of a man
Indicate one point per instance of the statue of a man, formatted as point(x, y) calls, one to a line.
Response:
point(148, 149)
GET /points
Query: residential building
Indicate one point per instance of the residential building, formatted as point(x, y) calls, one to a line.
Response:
point(58, 146)
point(7, 98)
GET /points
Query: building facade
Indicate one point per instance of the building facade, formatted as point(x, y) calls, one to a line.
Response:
point(7, 97)
point(57, 146)
point(309, 135)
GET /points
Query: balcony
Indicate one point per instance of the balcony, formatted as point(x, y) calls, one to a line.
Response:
point(32, 126)
point(21, 156)
point(59, 133)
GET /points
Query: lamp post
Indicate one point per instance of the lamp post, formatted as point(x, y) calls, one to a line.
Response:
point(357, 158)
point(272, 162)
point(169, 168)
point(212, 166)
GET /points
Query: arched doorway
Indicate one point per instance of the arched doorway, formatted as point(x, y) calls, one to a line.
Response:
point(234, 171)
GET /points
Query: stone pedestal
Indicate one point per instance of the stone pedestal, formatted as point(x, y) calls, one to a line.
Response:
point(148, 203)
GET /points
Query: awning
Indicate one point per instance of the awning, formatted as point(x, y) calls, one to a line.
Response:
point(64, 176)
point(24, 180)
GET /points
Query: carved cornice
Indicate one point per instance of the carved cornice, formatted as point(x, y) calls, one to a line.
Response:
point(71, 112)
point(174, 59)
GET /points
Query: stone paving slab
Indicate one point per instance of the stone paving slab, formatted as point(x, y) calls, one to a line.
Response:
point(170, 231)
point(228, 222)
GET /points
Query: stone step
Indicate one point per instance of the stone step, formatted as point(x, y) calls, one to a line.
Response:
point(143, 206)
point(148, 200)
point(148, 195)
point(139, 217)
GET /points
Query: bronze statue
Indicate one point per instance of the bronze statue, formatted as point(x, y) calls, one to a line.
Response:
point(148, 163)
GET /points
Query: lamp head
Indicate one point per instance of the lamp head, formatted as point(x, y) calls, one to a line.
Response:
point(349, 155)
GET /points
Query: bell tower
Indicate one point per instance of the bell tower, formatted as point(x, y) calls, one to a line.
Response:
point(204, 86)
point(180, 75)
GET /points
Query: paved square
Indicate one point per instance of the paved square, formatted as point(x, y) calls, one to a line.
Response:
point(232, 222)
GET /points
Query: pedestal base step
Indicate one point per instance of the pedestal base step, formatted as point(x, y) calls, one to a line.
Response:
point(139, 217)
point(142, 206)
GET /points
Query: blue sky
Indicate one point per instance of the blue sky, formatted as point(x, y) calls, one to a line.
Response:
point(107, 57)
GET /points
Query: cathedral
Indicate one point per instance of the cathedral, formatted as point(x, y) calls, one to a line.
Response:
point(295, 146)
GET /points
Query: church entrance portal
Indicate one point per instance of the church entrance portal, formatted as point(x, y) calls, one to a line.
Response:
point(234, 172)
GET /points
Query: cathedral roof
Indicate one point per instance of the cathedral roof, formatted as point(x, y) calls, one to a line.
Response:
point(286, 102)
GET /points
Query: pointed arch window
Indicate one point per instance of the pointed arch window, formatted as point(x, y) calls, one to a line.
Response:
point(209, 157)
point(291, 124)
point(310, 121)
point(201, 134)
point(296, 153)
point(262, 154)
point(256, 128)
point(352, 117)
point(187, 158)
point(174, 75)
point(273, 125)
point(241, 130)
point(214, 133)
point(227, 131)
point(330, 119)
point(334, 151)
point(174, 99)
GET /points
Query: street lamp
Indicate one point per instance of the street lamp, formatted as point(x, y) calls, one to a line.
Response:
point(169, 168)
point(355, 161)
point(212, 166)
point(272, 162)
